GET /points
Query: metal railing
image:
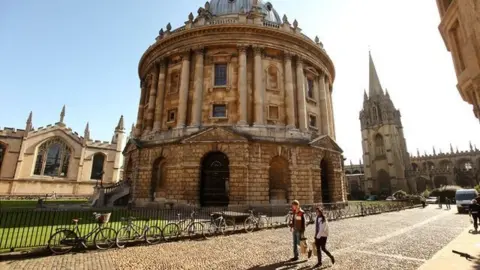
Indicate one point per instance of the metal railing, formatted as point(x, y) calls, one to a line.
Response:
point(29, 228)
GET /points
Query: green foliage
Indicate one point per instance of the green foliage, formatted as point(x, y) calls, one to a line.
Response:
point(416, 199)
point(477, 187)
point(426, 193)
point(400, 195)
point(445, 192)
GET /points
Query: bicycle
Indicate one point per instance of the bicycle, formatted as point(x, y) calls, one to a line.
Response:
point(69, 238)
point(253, 222)
point(308, 214)
point(220, 225)
point(175, 229)
point(150, 234)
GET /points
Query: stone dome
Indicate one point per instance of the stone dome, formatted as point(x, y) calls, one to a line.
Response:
point(226, 7)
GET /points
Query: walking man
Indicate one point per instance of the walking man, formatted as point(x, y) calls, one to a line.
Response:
point(297, 227)
point(475, 212)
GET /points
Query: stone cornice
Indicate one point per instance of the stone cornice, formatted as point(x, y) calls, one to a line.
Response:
point(178, 41)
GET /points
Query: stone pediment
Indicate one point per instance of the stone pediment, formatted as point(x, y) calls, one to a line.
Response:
point(215, 134)
point(326, 142)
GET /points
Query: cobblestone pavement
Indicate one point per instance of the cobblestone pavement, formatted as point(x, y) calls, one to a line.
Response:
point(397, 240)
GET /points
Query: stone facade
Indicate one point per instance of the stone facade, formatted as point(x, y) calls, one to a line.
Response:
point(245, 90)
point(460, 168)
point(56, 159)
point(385, 155)
point(460, 29)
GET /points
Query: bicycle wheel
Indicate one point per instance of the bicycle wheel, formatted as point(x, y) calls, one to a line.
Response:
point(262, 222)
point(195, 228)
point(170, 232)
point(153, 235)
point(62, 241)
point(210, 229)
point(105, 238)
point(288, 219)
point(124, 235)
point(231, 227)
point(249, 224)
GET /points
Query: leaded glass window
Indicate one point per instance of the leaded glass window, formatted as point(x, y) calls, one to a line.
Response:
point(97, 166)
point(219, 111)
point(53, 158)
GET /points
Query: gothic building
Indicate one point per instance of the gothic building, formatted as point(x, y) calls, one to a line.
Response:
point(385, 153)
point(56, 159)
point(235, 108)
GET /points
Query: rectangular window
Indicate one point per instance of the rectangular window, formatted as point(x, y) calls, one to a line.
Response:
point(171, 115)
point(220, 74)
point(273, 112)
point(219, 111)
point(310, 88)
point(312, 121)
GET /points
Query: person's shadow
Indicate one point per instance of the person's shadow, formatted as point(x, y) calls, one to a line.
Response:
point(473, 232)
point(286, 266)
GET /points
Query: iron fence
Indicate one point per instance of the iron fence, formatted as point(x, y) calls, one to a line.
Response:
point(30, 228)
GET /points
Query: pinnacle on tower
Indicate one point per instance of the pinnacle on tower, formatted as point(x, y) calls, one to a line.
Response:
point(365, 97)
point(29, 125)
point(434, 152)
point(375, 88)
point(451, 148)
point(120, 126)
point(62, 114)
point(418, 152)
point(471, 146)
point(86, 134)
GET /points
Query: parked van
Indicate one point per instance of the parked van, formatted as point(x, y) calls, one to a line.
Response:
point(463, 198)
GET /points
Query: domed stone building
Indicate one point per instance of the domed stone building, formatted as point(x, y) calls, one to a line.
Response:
point(235, 108)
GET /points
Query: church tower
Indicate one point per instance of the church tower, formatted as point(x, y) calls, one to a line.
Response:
point(384, 149)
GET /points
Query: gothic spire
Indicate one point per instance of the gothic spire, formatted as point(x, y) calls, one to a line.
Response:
point(365, 97)
point(471, 146)
point(62, 114)
point(29, 125)
point(120, 126)
point(86, 134)
point(418, 153)
point(132, 131)
point(451, 148)
point(434, 152)
point(375, 88)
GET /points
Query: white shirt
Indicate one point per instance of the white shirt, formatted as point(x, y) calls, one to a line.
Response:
point(322, 228)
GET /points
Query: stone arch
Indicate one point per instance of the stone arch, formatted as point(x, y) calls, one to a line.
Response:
point(326, 180)
point(440, 181)
point(3, 152)
point(374, 113)
point(214, 178)
point(421, 184)
point(384, 183)
point(98, 163)
point(356, 172)
point(430, 165)
point(446, 164)
point(465, 164)
point(379, 145)
point(414, 166)
point(158, 179)
point(279, 180)
point(53, 158)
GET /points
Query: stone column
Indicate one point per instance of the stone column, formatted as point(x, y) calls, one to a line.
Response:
point(242, 85)
point(157, 124)
point(259, 88)
point(289, 94)
point(330, 110)
point(324, 118)
point(151, 99)
point(302, 109)
point(198, 86)
point(138, 126)
point(183, 95)
point(316, 95)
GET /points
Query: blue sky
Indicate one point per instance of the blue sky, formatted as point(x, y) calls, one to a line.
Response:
point(85, 54)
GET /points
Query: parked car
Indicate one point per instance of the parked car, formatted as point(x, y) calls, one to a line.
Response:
point(390, 198)
point(432, 200)
point(372, 198)
point(463, 199)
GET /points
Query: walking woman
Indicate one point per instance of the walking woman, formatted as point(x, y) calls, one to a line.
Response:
point(321, 235)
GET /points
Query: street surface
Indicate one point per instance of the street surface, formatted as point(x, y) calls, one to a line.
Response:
point(399, 240)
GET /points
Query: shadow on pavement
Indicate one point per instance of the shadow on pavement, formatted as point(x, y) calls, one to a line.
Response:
point(280, 265)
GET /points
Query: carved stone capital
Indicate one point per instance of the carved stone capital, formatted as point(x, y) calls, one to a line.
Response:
point(257, 49)
point(199, 50)
point(185, 54)
point(287, 55)
point(299, 60)
point(142, 83)
point(242, 48)
point(161, 62)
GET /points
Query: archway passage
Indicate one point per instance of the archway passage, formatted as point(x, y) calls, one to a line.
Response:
point(384, 183)
point(440, 181)
point(279, 180)
point(157, 182)
point(421, 184)
point(215, 174)
point(324, 174)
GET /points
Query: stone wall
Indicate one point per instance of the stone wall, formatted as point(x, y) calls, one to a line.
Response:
point(22, 187)
point(249, 165)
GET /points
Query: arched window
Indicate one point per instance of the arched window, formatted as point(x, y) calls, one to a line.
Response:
point(97, 166)
point(159, 173)
point(374, 113)
point(379, 145)
point(272, 75)
point(3, 149)
point(53, 158)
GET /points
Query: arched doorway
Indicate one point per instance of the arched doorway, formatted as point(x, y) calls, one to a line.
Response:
point(279, 180)
point(383, 179)
point(157, 182)
point(421, 184)
point(215, 175)
point(324, 173)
